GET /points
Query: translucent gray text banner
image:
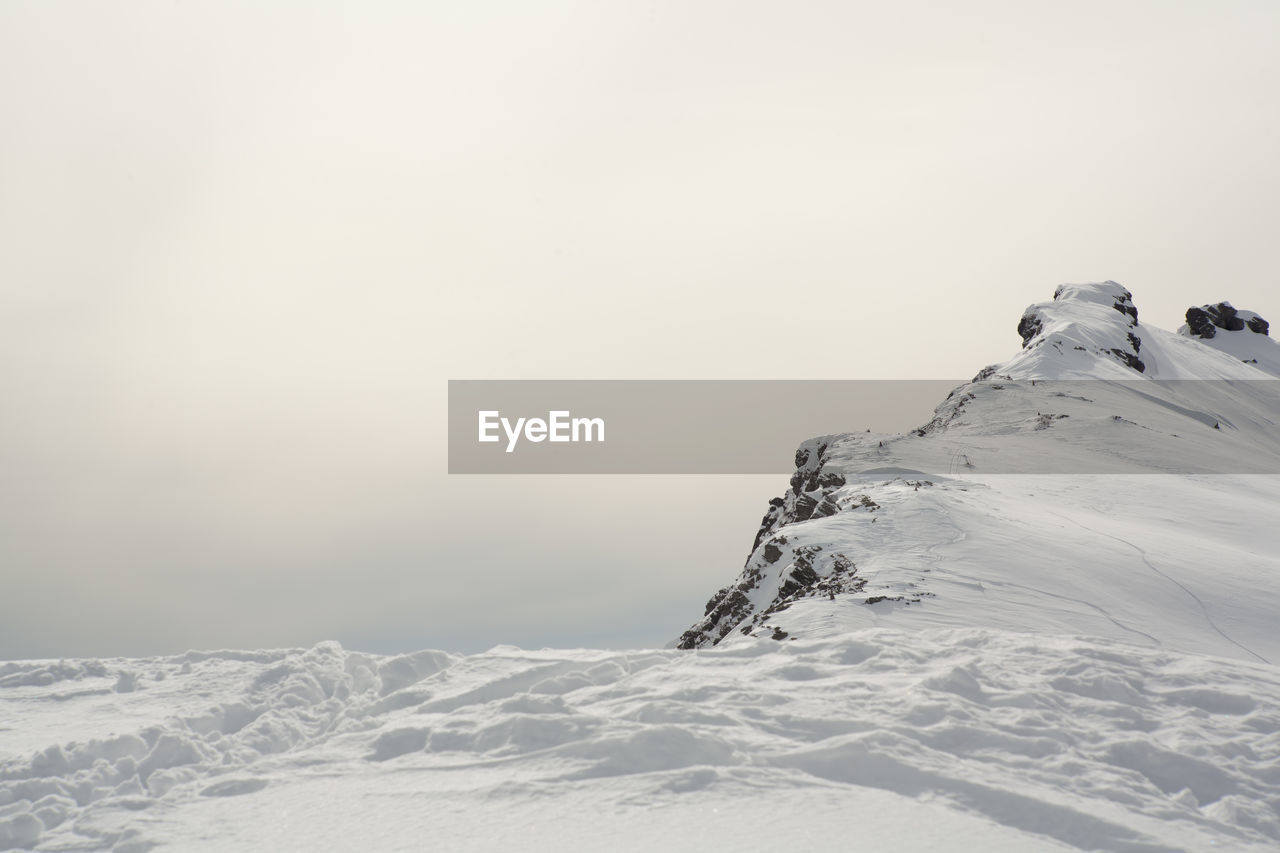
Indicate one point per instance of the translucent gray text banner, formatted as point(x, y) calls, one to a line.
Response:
point(997, 426)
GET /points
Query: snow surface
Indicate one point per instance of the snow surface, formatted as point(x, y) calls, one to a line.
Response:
point(1134, 558)
point(877, 739)
point(1049, 619)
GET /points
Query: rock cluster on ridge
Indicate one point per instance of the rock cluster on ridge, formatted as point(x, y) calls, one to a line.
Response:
point(1206, 320)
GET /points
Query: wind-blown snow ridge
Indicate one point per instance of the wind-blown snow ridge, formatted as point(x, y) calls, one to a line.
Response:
point(908, 741)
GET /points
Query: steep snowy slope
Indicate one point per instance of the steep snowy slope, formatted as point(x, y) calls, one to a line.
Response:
point(994, 513)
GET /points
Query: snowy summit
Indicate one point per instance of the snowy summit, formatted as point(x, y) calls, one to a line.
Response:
point(967, 521)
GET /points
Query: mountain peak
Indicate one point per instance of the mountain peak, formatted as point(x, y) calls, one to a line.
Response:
point(927, 529)
point(1091, 331)
point(1108, 293)
point(1087, 331)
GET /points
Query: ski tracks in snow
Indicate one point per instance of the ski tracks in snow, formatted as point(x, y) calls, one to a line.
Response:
point(1190, 593)
point(960, 536)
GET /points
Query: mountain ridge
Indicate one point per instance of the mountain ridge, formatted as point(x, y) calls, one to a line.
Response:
point(974, 517)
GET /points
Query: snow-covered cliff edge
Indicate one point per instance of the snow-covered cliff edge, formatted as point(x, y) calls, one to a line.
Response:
point(980, 517)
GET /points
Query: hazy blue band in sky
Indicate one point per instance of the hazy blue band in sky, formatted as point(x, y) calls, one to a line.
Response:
point(754, 427)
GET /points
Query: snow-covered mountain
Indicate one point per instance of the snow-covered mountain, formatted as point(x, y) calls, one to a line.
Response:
point(980, 517)
point(1048, 619)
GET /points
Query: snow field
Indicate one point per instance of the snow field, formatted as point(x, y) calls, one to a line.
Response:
point(993, 739)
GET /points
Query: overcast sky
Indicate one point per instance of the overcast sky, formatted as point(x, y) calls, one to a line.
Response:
point(244, 245)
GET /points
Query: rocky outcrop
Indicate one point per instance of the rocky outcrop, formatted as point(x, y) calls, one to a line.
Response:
point(1205, 321)
point(1129, 355)
point(780, 571)
point(1030, 326)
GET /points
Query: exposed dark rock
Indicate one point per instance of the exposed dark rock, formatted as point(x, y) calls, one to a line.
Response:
point(727, 610)
point(769, 521)
point(1205, 320)
point(1125, 306)
point(772, 553)
point(831, 479)
point(803, 581)
point(1130, 356)
point(1029, 326)
point(807, 476)
point(826, 507)
point(1200, 323)
point(689, 639)
point(1131, 359)
point(801, 578)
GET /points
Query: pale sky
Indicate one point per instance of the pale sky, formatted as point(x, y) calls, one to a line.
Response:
point(244, 245)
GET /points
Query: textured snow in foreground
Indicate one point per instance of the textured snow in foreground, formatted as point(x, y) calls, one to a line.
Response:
point(878, 739)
